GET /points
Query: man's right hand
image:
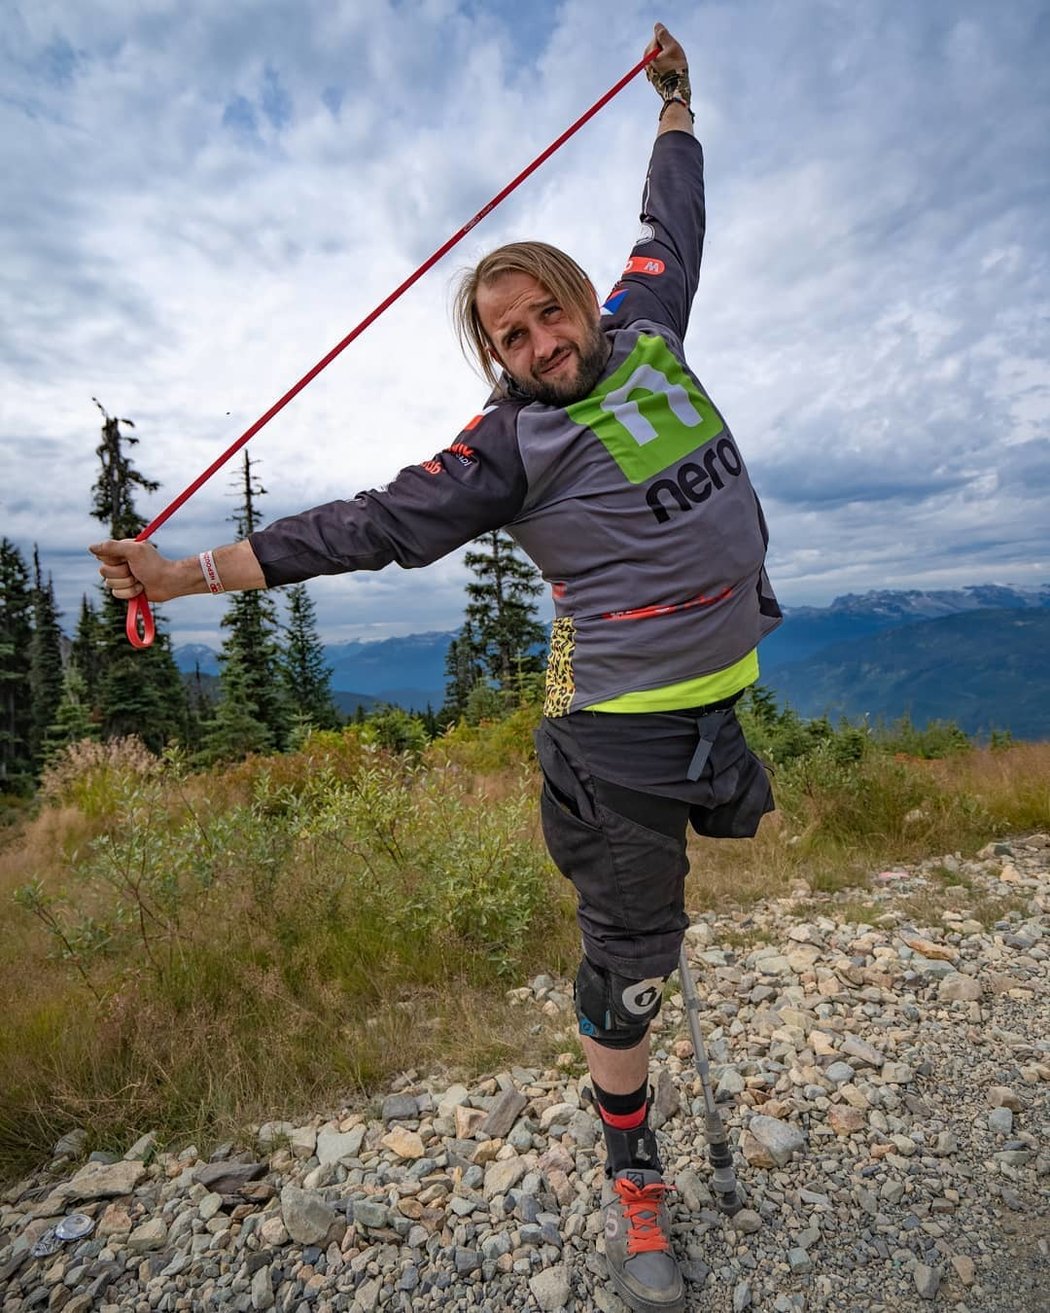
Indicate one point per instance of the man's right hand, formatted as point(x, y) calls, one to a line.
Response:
point(130, 568)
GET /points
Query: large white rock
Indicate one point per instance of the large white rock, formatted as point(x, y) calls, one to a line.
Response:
point(779, 1139)
point(502, 1176)
point(307, 1217)
point(550, 1288)
point(334, 1146)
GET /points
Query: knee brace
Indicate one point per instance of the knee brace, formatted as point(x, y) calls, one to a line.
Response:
point(613, 1010)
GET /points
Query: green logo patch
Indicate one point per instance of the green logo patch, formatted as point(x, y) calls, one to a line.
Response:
point(649, 413)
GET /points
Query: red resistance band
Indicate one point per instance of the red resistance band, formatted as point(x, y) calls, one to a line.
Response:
point(140, 627)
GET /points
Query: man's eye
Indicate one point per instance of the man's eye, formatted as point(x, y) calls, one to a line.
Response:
point(512, 338)
point(552, 310)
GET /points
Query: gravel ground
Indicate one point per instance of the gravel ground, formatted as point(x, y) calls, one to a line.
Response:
point(882, 1059)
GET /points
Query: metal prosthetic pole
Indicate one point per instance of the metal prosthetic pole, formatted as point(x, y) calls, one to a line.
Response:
point(719, 1151)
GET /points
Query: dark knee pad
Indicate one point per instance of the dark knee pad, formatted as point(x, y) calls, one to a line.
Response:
point(615, 1010)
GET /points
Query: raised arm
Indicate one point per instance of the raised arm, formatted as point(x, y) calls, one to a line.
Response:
point(662, 273)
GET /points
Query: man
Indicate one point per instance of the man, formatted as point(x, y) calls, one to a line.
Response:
point(603, 457)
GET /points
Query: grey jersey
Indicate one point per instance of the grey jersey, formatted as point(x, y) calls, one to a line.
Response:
point(634, 503)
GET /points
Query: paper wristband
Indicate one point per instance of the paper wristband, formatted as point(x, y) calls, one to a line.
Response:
point(211, 575)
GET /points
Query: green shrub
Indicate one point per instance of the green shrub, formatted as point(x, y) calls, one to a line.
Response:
point(940, 738)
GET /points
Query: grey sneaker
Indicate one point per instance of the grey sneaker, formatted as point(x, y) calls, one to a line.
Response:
point(638, 1242)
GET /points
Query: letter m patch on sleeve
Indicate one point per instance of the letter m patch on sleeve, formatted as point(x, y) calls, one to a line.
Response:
point(649, 413)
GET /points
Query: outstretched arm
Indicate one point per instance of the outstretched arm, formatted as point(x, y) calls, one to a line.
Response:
point(129, 568)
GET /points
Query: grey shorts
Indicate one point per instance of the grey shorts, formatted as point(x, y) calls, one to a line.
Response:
point(618, 794)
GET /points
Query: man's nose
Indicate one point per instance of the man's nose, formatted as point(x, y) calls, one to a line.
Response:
point(544, 342)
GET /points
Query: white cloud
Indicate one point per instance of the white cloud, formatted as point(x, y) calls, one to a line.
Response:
point(203, 200)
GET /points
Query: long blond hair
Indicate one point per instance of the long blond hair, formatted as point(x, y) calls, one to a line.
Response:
point(557, 272)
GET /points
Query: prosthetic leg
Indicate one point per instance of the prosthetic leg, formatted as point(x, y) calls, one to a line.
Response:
point(719, 1151)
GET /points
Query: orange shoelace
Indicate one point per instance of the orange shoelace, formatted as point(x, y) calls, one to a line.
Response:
point(640, 1206)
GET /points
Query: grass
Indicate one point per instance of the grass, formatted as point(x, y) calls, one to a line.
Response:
point(191, 952)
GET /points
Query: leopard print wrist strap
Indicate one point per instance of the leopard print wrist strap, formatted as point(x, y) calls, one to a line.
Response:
point(672, 87)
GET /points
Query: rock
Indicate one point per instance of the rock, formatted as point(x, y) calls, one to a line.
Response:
point(334, 1146)
point(1001, 1121)
point(557, 1113)
point(839, 1072)
point(270, 1134)
point(846, 1121)
point(143, 1148)
point(863, 1052)
point(262, 1288)
point(506, 1109)
point(1001, 1096)
point(406, 1144)
point(273, 1232)
point(308, 1218)
point(400, 1107)
point(468, 1120)
point(927, 1280)
point(799, 1262)
point(778, 1139)
point(665, 1101)
point(371, 1213)
point(101, 1181)
point(72, 1144)
point(959, 988)
point(730, 1083)
point(149, 1236)
point(303, 1141)
point(897, 1073)
point(929, 949)
point(964, 1268)
point(451, 1099)
point(209, 1206)
point(228, 1178)
point(466, 1260)
point(693, 1193)
point(502, 1176)
point(115, 1220)
point(747, 1222)
point(741, 1296)
point(550, 1288)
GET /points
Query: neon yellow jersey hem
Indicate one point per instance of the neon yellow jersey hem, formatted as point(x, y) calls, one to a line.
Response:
point(699, 692)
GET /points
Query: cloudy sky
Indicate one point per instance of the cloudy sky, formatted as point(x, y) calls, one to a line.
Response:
point(202, 199)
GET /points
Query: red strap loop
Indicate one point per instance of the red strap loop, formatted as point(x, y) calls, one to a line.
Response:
point(139, 626)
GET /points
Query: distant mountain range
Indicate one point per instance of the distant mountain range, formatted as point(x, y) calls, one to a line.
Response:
point(979, 656)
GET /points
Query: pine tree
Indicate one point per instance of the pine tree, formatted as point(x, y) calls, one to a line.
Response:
point(237, 727)
point(45, 661)
point(86, 655)
point(502, 609)
point(200, 708)
point(464, 670)
point(16, 631)
point(73, 720)
point(253, 715)
point(139, 690)
point(307, 679)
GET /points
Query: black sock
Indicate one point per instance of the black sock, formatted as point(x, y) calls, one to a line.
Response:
point(622, 1111)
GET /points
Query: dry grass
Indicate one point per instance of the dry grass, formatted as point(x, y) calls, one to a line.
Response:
point(277, 1002)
